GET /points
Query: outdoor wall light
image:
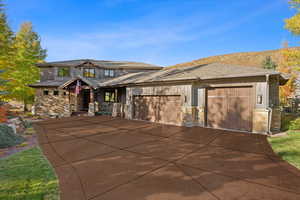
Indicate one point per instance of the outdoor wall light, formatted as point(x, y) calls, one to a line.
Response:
point(259, 99)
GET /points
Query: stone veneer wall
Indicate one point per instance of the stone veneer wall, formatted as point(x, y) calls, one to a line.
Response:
point(52, 105)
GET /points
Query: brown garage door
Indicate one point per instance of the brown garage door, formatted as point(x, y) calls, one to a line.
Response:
point(162, 109)
point(230, 108)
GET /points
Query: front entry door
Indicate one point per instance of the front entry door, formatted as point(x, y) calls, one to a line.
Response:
point(86, 98)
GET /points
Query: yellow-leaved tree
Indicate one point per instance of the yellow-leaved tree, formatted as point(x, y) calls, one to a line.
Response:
point(28, 52)
point(290, 61)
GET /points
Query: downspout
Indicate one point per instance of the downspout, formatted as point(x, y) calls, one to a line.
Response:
point(269, 109)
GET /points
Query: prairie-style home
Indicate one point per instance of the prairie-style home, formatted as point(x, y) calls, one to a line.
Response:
point(211, 95)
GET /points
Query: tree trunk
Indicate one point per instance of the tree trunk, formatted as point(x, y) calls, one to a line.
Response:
point(25, 107)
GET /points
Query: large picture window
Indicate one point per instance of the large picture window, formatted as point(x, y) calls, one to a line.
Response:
point(109, 96)
point(89, 72)
point(63, 72)
point(109, 72)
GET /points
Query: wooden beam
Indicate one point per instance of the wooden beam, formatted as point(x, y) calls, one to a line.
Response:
point(92, 96)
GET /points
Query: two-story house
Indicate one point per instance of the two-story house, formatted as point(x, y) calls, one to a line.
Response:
point(210, 95)
point(56, 92)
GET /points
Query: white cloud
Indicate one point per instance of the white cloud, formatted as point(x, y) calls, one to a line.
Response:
point(145, 39)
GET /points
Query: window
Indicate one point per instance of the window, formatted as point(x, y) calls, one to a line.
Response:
point(89, 72)
point(63, 72)
point(109, 72)
point(46, 92)
point(55, 92)
point(109, 96)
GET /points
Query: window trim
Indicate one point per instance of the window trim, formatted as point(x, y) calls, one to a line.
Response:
point(87, 70)
point(110, 73)
point(56, 93)
point(63, 75)
point(112, 94)
point(45, 92)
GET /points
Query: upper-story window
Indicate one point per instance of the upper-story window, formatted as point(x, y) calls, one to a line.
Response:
point(63, 72)
point(109, 73)
point(89, 72)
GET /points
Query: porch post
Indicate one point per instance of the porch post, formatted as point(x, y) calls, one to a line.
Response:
point(69, 93)
point(76, 102)
point(92, 99)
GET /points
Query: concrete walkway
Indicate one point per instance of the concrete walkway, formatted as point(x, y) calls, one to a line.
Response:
point(101, 158)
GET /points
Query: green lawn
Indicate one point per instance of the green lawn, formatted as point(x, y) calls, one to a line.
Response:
point(27, 175)
point(288, 147)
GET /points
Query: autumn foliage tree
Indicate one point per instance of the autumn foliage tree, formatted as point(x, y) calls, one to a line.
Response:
point(288, 66)
point(18, 55)
point(28, 52)
point(290, 62)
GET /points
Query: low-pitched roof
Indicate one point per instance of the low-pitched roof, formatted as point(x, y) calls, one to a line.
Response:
point(50, 83)
point(198, 72)
point(102, 64)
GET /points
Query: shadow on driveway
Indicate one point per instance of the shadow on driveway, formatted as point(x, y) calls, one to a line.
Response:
point(111, 159)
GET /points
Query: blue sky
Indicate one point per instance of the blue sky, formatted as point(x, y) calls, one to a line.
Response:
point(162, 32)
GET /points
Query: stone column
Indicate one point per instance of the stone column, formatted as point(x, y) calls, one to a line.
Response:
point(91, 111)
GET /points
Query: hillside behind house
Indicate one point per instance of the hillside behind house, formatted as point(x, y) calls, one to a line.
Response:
point(254, 59)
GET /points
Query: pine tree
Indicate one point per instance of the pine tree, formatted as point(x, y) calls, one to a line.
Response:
point(28, 50)
point(268, 63)
point(6, 41)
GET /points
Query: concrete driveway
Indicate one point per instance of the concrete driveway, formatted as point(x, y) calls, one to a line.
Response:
point(101, 158)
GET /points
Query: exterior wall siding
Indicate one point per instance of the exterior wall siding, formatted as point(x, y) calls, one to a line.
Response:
point(51, 73)
point(265, 113)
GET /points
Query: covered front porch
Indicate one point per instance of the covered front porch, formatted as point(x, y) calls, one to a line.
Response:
point(86, 98)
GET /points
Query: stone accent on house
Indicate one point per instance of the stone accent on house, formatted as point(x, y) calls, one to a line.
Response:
point(52, 105)
point(260, 120)
point(117, 110)
point(92, 109)
point(276, 120)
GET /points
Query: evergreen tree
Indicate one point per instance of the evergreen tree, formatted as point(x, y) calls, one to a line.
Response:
point(268, 63)
point(2, 82)
point(6, 40)
point(28, 52)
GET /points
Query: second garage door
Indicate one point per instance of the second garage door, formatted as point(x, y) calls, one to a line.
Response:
point(230, 108)
point(162, 109)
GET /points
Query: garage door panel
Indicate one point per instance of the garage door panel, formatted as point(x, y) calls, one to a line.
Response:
point(217, 112)
point(230, 108)
point(162, 109)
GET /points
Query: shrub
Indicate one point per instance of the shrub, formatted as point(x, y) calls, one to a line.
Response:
point(8, 138)
point(295, 124)
point(286, 120)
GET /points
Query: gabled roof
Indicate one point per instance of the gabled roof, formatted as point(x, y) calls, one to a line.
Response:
point(102, 64)
point(90, 82)
point(199, 72)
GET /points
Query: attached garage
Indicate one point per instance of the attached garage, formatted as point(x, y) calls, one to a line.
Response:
point(230, 108)
point(212, 95)
point(161, 109)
